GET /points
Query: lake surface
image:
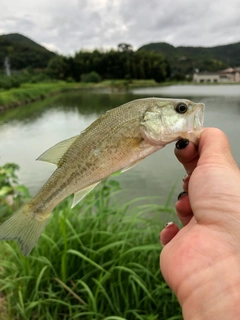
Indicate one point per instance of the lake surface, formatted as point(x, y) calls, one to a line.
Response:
point(26, 132)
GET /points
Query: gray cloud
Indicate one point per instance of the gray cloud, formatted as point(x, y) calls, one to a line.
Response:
point(68, 26)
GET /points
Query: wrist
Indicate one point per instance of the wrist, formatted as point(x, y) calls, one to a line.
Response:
point(213, 293)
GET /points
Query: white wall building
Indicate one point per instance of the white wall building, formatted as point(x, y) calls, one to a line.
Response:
point(227, 75)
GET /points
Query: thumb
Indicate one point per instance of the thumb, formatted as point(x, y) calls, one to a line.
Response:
point(214, 148)
point(214, 186)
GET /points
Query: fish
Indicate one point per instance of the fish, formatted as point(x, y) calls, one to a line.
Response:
point(115, 142)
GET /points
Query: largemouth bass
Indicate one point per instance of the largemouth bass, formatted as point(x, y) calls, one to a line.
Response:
point(115, 142)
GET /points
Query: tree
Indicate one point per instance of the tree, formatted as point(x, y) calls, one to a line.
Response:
point(125, 47)
point(57, 68)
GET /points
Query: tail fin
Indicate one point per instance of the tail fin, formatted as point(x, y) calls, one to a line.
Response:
point(25, 227)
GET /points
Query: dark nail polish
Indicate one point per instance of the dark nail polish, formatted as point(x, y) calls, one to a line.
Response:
point(185, 177)
point(168, 224)
point(181, 144)
point(181, 194)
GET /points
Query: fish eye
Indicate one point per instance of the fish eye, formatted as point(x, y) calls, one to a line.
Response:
point(181, 108)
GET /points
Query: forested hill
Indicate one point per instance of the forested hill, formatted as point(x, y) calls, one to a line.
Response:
point(23, 52)
point(209, 58)
point(159, 61)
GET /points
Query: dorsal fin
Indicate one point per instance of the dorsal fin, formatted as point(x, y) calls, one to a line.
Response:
point(55, 153)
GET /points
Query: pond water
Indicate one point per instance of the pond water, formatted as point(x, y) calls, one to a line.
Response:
point(26, 132)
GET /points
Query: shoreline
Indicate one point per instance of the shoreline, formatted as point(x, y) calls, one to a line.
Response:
point(13, 98)
point(28, 93)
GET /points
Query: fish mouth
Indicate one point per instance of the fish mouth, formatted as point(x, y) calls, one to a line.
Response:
point(195, 121)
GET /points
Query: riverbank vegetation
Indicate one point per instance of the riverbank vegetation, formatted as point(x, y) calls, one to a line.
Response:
point(99, 260)
point(33, 92)
point(29, 92)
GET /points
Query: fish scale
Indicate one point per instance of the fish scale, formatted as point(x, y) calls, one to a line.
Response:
point(115, 142)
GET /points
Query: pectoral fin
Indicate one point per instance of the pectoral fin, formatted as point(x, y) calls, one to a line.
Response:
point(55, 153)
point(78, 196)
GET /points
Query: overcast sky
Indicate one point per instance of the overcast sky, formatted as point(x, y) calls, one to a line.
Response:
point(66, 26)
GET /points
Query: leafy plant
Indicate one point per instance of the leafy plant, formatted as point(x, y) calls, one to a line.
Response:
point(91, 77)
point(12, 194)
point(7, 83)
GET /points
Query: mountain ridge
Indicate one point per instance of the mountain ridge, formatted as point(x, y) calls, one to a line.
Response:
point(185, 59)
point(23, 52)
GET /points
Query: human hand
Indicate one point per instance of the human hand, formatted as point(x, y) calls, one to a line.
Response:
point(201, 262)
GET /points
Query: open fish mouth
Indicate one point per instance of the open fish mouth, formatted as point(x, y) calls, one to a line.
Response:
point(195, 121)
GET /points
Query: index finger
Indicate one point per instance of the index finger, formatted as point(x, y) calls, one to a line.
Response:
point(187, 156)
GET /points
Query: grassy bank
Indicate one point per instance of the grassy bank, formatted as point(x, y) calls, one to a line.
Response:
point(32, 92)
point(97, 261)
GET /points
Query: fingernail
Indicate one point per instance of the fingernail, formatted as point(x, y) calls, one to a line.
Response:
point(168, 224)
point(181, 144)
point(185, 177)
point(181, 194)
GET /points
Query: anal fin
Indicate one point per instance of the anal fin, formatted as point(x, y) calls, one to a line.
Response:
point(78, 196)
point(131, 165)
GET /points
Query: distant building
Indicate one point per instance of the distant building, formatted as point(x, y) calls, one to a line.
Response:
point(227, 75)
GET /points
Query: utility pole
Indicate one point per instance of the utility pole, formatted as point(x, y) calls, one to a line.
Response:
point(7, 67)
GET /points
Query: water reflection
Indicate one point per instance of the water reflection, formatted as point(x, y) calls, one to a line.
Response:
point(84, 103)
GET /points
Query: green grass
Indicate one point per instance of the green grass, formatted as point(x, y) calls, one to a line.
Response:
point(32, 92)
point(97, 261)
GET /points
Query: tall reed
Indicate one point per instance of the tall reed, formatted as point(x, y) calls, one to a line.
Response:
point(99, 260)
